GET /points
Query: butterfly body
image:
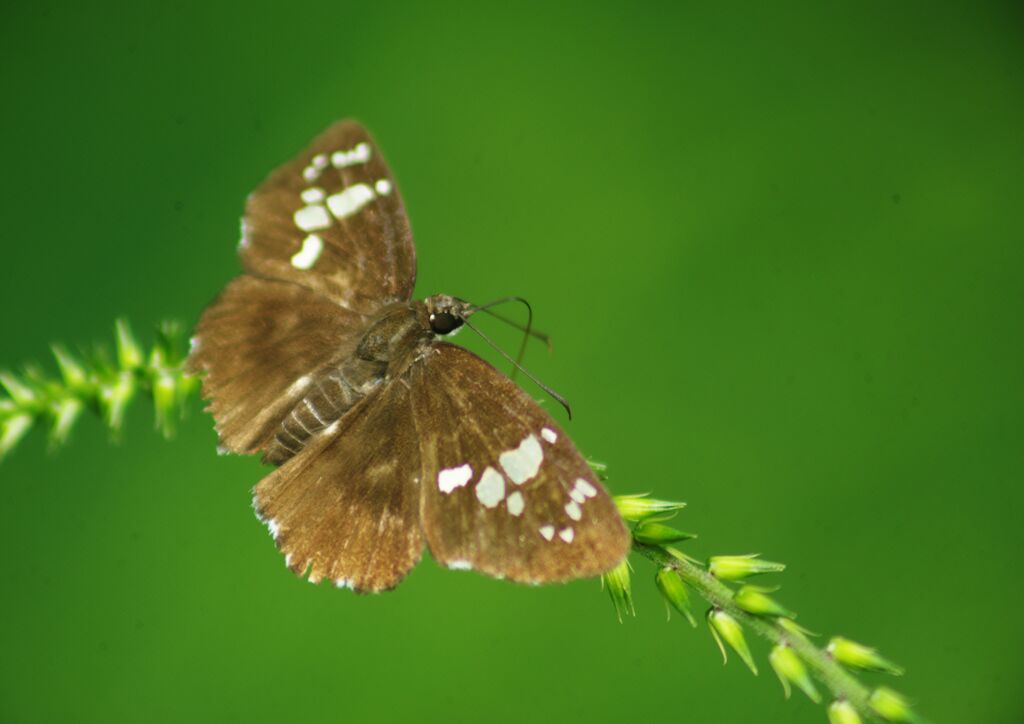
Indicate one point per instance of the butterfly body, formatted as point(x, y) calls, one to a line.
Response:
point(387, 438)
point(391, 342)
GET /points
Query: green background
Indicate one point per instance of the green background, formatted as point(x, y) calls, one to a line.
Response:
point(778, 247)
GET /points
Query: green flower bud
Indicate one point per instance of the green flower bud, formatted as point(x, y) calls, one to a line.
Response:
point(21, 393)
point(617, 582)
point(165, 402)
point(114, 398)
point(639, 507)
point(754, 599)
point(736, 568)
point(725, 627)
point(659, 534)
point(170, 341)
point(129, 353)
point(794, 628)
point(842, 712)
point(157, 358)
point(890, 706)
point(65, 412)
point(70, 369)
point(679, 555)
point(12, 429)
point(674, 590)
point(789, 667)
point(859, 656)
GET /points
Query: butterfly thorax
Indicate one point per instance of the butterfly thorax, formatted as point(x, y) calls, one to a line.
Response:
point(392, 341)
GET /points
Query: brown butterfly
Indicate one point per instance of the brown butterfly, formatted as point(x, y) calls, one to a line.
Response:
point(385, 437)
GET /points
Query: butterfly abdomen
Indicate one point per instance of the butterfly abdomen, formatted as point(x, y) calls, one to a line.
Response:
point(333, 392)
point(330, 396)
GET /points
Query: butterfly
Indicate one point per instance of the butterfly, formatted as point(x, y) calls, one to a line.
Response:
point(387, 439)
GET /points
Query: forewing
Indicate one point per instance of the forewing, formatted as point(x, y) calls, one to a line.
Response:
point(260, 345)
point(346, 508)
point(332, 220)
point(505, 491)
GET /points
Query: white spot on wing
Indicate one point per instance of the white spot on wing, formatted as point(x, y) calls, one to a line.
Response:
point(274, 528)
point(243, 239)
point(491, 489)
point(548, 531)
point(288, 560)
point(344, 583)
point(359, 154)
point(312, 218)
point(319, 161)
point(312, 247)
point(310, 173)
point(522, 463)
point(577, 495)
point(193, 344)
point(312, 195)
point(566, 534)
point(586, 488)
point(515, 503)
point(383, 187)
point(550, 435)
point(573, 510)
point(460, 565)
point(452, 478)
point(350, 200)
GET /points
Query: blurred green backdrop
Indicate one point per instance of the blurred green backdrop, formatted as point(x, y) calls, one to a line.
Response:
point(779, 250)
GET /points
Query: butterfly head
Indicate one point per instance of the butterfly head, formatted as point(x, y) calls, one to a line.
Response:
point(446, 314)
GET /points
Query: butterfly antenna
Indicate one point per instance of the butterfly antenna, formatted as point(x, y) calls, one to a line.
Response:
point(496, 302)
point(536, 334)
point(554, 395)
point(528, 329)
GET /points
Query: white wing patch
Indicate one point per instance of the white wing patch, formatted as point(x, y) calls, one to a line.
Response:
point(550, 435)
point(359, 154)
point(349, 201)
point(585, 488)
point(452, 478)
point(548, 531)
point(312, 218)
point(312, 172)
point(243, 239)
point(491, 489)
point(312, 195)
point(312, 247)
point(523, 462)
point(516, 504)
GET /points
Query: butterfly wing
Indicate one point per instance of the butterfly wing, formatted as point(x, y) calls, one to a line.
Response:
point(347, 507)
point(260, 344)
point(332, 220)
point(327, 243)
point(504, 490)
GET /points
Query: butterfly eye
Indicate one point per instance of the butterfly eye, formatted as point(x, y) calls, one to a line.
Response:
point(444, 323)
